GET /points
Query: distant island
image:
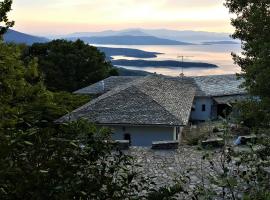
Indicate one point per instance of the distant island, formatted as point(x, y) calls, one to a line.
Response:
point(163, 63)
point(220, 42)
point(129, 40)
point(127, 52)
point(136, 53)
point(130, 72)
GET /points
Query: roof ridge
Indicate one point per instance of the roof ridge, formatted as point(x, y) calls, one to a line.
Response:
point(163, 106)
point(157, 101)
point(159, 104)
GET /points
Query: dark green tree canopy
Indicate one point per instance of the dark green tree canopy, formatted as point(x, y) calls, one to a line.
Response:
point(252, 27)
point(69, 66)
point(5, 7)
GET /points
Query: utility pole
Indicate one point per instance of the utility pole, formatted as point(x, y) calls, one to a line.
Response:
point(182, 63)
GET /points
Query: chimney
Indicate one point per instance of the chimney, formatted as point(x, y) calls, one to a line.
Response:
point(103, 86)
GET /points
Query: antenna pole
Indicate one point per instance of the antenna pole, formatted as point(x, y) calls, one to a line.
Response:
point(182, 64)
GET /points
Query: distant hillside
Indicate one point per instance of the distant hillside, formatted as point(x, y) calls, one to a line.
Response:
point(127, 52)
point(186, 35)
point(129, 40)
point(107, 33)
point(220, 42)
point(18, 37)
point(163, 63)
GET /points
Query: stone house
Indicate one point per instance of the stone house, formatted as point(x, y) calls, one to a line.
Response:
point(156, 107)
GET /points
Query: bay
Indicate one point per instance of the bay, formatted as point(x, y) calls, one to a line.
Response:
point(218, 54)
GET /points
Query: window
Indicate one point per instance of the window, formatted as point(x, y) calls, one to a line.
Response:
point(203, 107)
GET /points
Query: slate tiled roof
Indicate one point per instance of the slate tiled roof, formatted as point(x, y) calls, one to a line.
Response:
point(218, 85)
point(230, 99)
point(150, 100)
point(214, 85)
point(106, 84)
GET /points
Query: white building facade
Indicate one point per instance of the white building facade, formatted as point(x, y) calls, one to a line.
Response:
point(145, 135)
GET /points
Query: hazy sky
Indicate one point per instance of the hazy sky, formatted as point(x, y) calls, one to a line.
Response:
point(66, 16)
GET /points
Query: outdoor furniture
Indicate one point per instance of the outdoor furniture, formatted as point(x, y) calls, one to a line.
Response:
point(243, 140)
point(213, 142)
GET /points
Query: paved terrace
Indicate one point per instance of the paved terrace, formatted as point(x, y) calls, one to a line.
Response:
point(168, 165)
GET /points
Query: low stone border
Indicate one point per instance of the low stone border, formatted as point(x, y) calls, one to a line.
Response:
point(122, 144)
point(165, 144)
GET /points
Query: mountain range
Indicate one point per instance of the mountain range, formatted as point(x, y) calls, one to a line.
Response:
point(182, 36)
point(18, 37)
point(128, 40)
point(130, 37)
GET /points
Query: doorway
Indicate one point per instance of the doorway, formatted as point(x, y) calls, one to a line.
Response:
point(127, 137)
point(223, 110)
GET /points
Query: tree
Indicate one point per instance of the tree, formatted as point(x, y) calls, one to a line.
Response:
point(19, 85)
point(252, 27)
point(5, 7)
point(69, 66)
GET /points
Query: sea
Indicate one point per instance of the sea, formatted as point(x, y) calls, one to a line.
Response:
point(218, 54)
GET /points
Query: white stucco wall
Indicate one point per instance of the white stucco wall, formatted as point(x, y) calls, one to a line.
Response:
point(200, 115)
point(143, 135)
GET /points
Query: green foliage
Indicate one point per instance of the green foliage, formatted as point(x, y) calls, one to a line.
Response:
point(63, 103)
point(166, 193)
point(231, 172)
point(22, 91)
point(5, 7)
point(195, 139)
point(253, 113)
point(72, 161)
point(24, 100)
point(252, 24)
point(68, 66)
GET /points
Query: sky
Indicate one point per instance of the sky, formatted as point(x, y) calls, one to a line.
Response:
point(50, 17)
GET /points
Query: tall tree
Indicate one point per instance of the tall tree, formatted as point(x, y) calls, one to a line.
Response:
point(5, 7)
point(252, 27)
point(69, 66)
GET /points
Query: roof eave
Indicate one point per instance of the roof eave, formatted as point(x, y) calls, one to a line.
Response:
point(130, 124)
